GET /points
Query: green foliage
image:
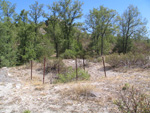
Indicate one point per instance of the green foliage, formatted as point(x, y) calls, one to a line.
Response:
point(119, 45)
point(8, 45)
point(27, 111)
point(23, 38)
point(44, 49)
point(70, 75)
point(68, 54)
point(36, 11)
point(130, 25)
point(100, 21)
point(126, 86)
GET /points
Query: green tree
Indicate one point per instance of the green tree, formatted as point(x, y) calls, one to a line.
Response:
point(8, 43)
point(8, 9)
point(101, 23)
point(25, 38)
point(69, 13)
point(130, 23)
point(53, 29)
point(36, 11)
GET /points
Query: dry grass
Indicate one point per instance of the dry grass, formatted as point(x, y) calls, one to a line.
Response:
point(39, 88)
point(78, 90)
point(36, 83)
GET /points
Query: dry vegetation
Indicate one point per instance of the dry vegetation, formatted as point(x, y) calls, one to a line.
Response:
point(95, 95)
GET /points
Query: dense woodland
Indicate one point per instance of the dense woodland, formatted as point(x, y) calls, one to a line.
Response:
point(25, 37)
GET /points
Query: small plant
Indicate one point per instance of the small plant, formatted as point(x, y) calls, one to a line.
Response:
point(132, 100)
point(27, 111)
point(126, 86)
point(70, 75)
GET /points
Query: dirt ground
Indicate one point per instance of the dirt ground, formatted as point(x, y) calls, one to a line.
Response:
point(19, 93)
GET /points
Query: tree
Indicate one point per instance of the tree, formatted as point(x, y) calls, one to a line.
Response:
point(69, 13)
point(36, 11)
point(53, 28)
point(8, 43)
point(25, 38)
point(130, 24)
point(8, 9)
point(101, 23)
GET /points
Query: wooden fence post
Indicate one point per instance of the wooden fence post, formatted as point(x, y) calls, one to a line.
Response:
point(104, 66)
point(31, 69)
point(44, 70)
point(58, 66)
point(76, 69)
point(83, 64)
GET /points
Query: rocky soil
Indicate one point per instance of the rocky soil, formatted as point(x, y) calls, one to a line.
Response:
point(19, 93)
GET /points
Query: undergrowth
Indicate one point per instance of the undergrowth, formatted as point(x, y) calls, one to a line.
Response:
point(132, 100)
point(128, 60)
point(70, 75)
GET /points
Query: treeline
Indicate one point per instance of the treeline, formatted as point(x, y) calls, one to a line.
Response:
point(25, 37)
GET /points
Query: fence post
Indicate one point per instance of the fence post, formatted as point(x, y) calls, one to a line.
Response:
point(58, 66)
point(31, 69)
point(83, 64)
point(44, 70)
point(76, 69)
point(104, 66)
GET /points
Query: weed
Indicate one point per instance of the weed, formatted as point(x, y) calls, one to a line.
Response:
point(27, 111)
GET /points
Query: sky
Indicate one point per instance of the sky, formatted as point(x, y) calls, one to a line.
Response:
point(119, 5)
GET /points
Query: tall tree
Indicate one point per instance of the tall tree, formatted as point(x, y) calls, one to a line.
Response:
point(8, 9)
point(53, 28)
point(36, 11)
point(101, 22)
point(8, 44)
point(25, 38)
point(69, 13)
point(131, 22)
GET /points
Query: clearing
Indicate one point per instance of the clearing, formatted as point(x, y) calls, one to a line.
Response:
point(18, 93)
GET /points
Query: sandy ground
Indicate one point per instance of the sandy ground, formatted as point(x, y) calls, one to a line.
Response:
point(19, 93)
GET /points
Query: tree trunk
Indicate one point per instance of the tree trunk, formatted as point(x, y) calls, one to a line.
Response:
point(126, 45)
point(57, 55)
point(102, 45)
point(123, 46)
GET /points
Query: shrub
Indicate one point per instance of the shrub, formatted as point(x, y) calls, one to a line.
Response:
point(132, 100)
point(134, 60)
point(27, 111)
point(54, 66)
point(70, 75)
point(83, 90)
point(68, 54)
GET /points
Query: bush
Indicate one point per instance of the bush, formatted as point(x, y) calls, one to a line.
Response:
point(70, 75)
point(128, 60)
point(68, 54)
point(54, 66)
point(27, 111)
point(80, 91)
point(132, 100)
